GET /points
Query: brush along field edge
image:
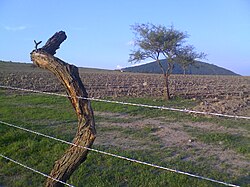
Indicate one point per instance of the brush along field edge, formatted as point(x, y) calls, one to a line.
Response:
point(68, 75)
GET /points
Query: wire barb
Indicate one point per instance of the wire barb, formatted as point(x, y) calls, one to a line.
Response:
point(121, 157)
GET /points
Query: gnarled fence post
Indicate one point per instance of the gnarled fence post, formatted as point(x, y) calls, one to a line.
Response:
point(68, 75)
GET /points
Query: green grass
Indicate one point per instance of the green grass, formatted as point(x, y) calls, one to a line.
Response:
point(55, 116)
point(236, 142)
point(147, 112)
point(103, 172)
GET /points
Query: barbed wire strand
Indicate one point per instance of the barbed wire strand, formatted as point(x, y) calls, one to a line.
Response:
point(120, 157)
point(131, 104)
point(36, 171)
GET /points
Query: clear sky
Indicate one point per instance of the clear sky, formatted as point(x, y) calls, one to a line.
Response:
point(99, 33)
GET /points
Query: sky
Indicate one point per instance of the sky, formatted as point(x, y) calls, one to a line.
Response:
point(99, 32)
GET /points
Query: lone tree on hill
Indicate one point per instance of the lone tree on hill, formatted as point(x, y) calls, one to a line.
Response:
point(156, 42)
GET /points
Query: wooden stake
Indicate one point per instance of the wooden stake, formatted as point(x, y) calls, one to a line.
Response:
point(68, 75)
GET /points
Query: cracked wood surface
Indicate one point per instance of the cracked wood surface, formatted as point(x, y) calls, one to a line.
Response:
point(68, 75)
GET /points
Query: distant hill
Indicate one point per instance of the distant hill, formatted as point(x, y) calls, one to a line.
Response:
point(198, 68)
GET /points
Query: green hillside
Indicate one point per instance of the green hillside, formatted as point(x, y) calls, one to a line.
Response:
point(199, 68)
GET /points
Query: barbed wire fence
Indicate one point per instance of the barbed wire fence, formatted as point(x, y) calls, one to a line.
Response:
point(111, 154)
point(116, 156)
point(131, 104)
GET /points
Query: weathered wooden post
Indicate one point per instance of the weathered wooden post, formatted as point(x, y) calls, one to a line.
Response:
point(68, 75)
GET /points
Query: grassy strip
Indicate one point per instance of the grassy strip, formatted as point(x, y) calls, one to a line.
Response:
point(236, 142)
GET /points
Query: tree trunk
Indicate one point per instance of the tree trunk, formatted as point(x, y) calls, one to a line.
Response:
point(166, 86)
point(184, 71)
point(166, 81)
point(68, 75)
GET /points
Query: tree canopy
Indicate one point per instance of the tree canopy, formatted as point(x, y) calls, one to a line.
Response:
point(157, 42)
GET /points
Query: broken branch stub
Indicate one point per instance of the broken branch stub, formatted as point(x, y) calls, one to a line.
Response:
point(54, 42)
point(68, 75)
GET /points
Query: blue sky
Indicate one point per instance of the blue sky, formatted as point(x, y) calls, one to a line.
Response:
point(99, 33)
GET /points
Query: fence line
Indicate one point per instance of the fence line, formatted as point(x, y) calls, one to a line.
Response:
point(36, 171)
point(121, 157)
point(130, 104)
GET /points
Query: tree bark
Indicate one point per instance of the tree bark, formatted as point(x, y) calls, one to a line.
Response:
point(166, 81)
point(167, 92)
point(54, 42)
point(68, 75)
